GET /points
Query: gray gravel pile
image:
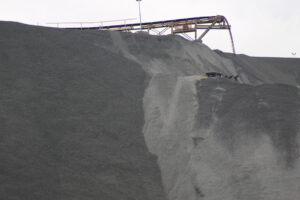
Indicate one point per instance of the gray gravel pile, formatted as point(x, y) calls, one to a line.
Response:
point(110, 115)
point(71, 119)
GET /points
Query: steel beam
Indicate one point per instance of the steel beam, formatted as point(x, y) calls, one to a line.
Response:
point(177, 26)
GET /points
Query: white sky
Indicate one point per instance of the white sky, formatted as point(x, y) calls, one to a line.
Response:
point(260, 27)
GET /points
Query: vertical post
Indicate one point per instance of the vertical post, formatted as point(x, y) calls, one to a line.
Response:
point(195, 31)
point(232, 43)
point(139, 2)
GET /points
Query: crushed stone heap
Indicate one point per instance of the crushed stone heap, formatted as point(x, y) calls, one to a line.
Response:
point(109, 115)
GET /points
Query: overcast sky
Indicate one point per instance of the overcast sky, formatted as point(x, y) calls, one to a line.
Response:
point(260, 27)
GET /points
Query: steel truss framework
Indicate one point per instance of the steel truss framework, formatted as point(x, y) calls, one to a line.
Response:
point(177, 26)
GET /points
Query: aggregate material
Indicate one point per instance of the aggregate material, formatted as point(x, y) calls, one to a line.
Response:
point(110, 115)
point(71, 119)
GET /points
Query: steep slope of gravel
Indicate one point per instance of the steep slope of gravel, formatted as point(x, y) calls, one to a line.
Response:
point(71, 119)
point(217, 138)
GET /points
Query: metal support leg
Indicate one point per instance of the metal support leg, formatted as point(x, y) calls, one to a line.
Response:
point(206, 31)
point(232, 42)
point(155, 31)
point(163, 31)
point(187, 36)
point(231, 37)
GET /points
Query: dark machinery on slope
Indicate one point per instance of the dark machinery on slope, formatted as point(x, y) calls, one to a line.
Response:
point(221, 75)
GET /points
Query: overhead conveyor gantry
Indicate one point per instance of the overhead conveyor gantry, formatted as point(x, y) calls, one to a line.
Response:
point(176, 26)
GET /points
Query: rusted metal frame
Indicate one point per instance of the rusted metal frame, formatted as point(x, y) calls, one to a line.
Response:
point(186, 36)
point(155, 31)
point(149, 28)
point(206, 31)
point(231, 37)
point(207, 23)
point(185, 30)
point(195, 31)
point(164, 30)
point(199, 20)
point(213, 27)
point(125, 28)
point(232, 42)
point(157, 25)
point(172, 27)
